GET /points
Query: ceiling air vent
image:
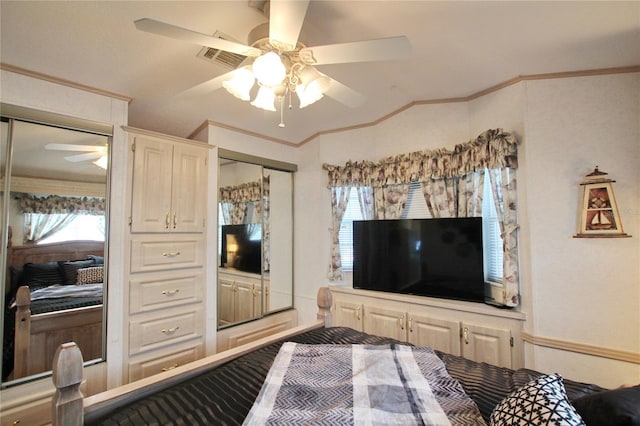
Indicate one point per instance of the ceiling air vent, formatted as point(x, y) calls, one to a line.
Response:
point(221, 57)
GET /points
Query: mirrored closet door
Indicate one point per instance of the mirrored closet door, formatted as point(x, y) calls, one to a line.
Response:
point(255, 238)
point(54, 233)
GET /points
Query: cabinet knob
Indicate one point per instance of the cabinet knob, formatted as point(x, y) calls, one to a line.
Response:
point(170, 367)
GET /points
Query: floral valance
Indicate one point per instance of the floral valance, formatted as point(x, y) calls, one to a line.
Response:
point(245, 192)
point(57, 204)
point(493, 149)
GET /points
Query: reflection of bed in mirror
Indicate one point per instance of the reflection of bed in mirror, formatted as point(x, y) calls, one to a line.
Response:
point(46, 306)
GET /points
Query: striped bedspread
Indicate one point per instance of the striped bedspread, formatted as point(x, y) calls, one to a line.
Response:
point(58, 291)
point(361, 384)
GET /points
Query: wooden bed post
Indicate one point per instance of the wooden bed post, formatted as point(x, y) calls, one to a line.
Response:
point(324, 305)
point(68, 407)
point(22, 333)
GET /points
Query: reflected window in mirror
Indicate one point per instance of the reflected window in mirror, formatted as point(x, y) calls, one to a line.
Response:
point(54, 268)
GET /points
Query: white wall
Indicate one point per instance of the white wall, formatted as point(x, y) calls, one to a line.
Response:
point(578, 290)
point(583, 290)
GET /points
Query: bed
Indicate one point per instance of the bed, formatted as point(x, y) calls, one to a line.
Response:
point(228, 387)
point(45, 306)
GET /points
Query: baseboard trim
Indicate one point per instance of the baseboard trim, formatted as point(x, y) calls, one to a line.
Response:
point(583, 348)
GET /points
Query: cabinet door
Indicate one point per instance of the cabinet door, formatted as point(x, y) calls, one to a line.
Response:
point(243, 301)
point(189, 188)
point(225, 301)
point(151, 195)
point(348, 314)
point(484, 344)
point(385, 322)
point(436, 333)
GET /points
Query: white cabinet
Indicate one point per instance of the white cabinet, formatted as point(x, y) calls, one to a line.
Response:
point(169, 185)
point(165, 311)
point(474, 331)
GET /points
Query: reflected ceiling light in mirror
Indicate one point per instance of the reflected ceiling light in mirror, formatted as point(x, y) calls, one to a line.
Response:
point(102, 162)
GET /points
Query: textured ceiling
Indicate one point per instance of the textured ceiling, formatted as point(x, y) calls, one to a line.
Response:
point(458, 49)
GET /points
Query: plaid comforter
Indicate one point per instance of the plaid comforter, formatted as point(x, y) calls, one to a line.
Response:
point(361, 384)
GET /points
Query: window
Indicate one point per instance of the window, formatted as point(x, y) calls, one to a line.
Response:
point(491, 239)
point(346, 230)
point(82, 227)
point(416, 208)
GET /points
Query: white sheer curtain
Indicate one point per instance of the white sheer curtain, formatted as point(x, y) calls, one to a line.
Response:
point(39, 226)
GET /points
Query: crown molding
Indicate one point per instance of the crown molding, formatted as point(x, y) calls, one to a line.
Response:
point(63, 82)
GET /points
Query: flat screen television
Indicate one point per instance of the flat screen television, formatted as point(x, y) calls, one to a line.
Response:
point(427, 257)
point(241, 247)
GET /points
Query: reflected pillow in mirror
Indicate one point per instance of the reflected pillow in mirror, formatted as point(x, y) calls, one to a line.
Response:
point(41, 274)
point(98, 260)
point(92, 275)
point(70, 269)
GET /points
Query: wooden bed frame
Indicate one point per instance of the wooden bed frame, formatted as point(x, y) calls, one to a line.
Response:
point(70, 407)
point(38, 336)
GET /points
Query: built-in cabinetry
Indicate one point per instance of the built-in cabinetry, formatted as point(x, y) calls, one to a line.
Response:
point(476, 331)
point(241, 295)
point(166, 243)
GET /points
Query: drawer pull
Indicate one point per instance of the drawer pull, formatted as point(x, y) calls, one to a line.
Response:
point(170, 330)
point(170, 368)
point(171, 253)
point(16, 422)
point(170, 292)
point(166, 221)
point(175, 220)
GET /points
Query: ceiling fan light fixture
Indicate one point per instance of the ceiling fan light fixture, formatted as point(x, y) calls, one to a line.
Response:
point(240, 84)
point(102, 162)
point(312, 87)
point(265, 99)
point(269, 69)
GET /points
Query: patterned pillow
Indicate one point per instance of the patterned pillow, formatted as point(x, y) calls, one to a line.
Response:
point(540, 402)
point(91, 275)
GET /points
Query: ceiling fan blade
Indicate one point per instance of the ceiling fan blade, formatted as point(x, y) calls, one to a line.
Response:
point(72, 147)
point(206, 87)
point(172, 31)
point(84, 157)
point(285, 21)
point(345, 95)
point(384, 49)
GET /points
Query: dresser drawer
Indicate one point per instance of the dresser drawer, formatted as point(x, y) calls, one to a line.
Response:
point(149, 254)
point(163, 361)
point(147, 332)
point(156, 291)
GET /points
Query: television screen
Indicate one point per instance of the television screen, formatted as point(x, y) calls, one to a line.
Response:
point(427, 257)
point(242, 247)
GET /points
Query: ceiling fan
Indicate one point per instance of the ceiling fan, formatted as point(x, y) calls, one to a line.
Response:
point(92, 152)
point(279, 62)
